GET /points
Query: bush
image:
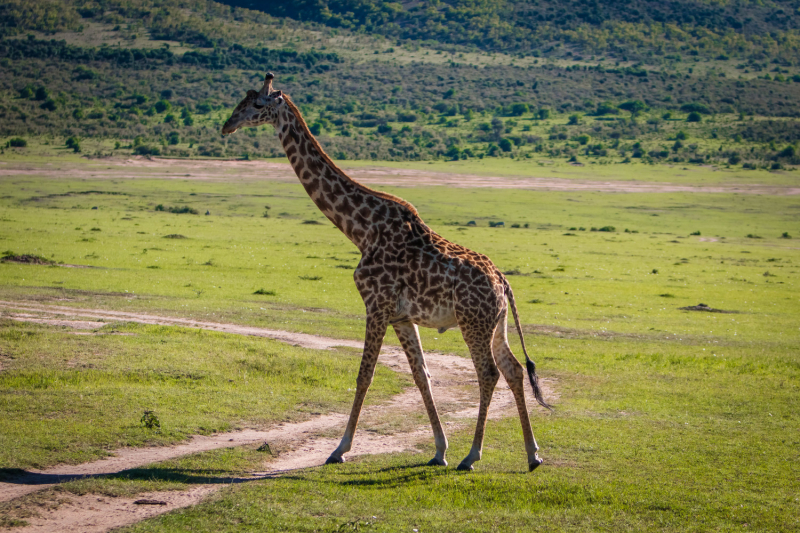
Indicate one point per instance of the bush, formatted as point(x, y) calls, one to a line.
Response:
point(18, 142)
point(185, 209)
point(518, 110)
point(505, 145)
point(74, 143)
point(694, 116)
point(162, 106)
point(144, 149)
point(49, 105)
point(41, 94)
point(696, 108)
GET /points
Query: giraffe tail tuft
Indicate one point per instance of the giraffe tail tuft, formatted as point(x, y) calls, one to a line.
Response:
point(529, 364)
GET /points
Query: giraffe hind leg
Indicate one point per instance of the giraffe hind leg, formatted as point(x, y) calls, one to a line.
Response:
point(480, 348)
point(515, 377)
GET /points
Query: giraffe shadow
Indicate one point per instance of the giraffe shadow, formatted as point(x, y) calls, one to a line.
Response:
point(16, 476)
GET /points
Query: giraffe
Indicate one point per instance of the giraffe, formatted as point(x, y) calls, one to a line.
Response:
point(408, 276)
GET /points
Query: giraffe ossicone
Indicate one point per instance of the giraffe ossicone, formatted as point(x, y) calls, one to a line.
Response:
point(408, 276)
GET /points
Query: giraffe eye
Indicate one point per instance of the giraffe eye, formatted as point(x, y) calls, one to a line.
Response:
point(257, 105)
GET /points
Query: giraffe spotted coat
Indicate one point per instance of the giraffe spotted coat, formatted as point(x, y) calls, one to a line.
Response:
point(408, 276)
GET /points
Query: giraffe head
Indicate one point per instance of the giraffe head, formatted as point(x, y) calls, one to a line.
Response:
point(257, 108)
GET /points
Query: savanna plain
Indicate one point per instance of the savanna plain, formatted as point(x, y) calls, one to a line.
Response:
point(666, 323)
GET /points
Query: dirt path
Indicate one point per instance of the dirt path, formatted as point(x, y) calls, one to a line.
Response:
point(455, 390)
point(236, 170)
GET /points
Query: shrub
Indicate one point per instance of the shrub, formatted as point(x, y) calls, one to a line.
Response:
point(150, 420)
point(17, 142)
point(144, 149)
point(49, 105)
point(694, 116)
point(634, 107)
point(505, 145)
point(695, 233)
point(696, 108)
point(265, 292)
point(162, 106)
point(41, 94)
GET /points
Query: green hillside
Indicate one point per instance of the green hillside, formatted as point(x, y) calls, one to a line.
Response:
point(159, 78)
point(638, 29)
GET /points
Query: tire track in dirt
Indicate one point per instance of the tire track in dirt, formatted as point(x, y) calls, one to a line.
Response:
point(454, 386)
point(248, 171)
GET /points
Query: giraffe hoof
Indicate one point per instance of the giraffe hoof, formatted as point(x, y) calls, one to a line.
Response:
point(334, 460)
point(437, 462)
point(536, 462)
point(466, 467)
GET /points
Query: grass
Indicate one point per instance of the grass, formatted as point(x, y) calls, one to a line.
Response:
point(665, 420)
point(646, 436)
point(73, 398)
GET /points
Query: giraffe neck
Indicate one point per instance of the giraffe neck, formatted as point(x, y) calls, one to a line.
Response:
point(334, 193)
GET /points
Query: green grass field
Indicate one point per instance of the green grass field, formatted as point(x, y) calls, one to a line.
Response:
point(665, 420)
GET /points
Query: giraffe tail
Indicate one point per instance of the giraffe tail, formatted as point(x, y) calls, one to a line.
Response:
point(529, 364)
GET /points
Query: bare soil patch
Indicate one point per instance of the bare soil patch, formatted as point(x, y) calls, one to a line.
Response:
point(309, 443)
point(704, 307)
point(239, 170)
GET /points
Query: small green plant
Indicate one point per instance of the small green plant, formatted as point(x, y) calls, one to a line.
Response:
point(654, 271)
point(310, 278)
point(785, 235)
point(265, 292)
point(753, 236)
point(150, 420)
point(667, 295)
point(312, 222)
point(695, 233)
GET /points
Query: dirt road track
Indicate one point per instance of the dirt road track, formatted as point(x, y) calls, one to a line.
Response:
point(454, 387)
point(237, 170)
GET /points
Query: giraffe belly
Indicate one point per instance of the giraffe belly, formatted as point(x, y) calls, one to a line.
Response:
point(440, 316)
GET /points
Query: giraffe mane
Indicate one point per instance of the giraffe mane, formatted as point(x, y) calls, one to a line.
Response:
point(325, 157)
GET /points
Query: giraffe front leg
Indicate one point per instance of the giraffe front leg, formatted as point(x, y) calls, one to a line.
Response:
point(376, 330)
point(409, 338)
